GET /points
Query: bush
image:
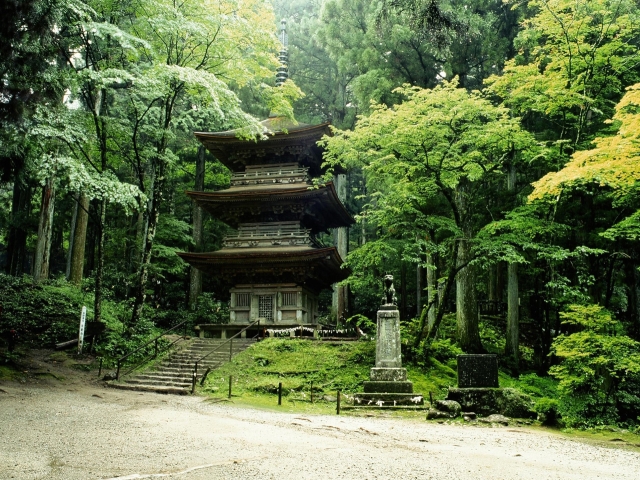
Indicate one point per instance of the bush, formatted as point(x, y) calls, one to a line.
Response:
point(47, 313)
point(443, 350)
point(599, 373)
point(363, 323)
point(537, 386)
point(547, 410)
point(42, 314)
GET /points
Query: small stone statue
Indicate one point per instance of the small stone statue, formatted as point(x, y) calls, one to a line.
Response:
point(389, 297)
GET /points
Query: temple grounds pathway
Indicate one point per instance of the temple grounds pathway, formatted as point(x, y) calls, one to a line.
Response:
point(79, 432)
point(89, 432)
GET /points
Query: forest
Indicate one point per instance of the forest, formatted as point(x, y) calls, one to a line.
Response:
point(492, 151)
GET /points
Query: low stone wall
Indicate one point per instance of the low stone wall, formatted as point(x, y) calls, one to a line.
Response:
point(487, 401)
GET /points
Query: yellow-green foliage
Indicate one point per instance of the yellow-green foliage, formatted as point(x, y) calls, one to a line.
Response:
point(573, 58)
point(613, 163)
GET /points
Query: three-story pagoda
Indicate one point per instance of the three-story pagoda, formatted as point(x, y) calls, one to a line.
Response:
point(272, 265)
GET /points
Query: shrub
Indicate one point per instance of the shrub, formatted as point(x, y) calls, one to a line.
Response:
point(364, 323)
point(547, 410)
point(42, 314)
point(599, 373)
point(444, 350)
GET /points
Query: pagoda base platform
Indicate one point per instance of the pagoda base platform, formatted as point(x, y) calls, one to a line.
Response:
point(228, 330)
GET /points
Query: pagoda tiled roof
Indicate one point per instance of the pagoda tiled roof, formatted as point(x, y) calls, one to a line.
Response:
point(317, 208)
point(314, 268)
point(281, 138)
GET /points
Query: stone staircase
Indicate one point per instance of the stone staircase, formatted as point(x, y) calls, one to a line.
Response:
point(174, 373)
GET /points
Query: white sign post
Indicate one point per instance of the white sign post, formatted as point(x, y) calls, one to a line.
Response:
point(83, 318)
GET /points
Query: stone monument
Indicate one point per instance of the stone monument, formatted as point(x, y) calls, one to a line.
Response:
point(388, 386)
point(479, 392)
point(478, 371)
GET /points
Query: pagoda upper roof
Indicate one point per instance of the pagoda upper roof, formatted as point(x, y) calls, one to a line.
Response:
point(317, 208)
point(314, 268)
point(283, 140)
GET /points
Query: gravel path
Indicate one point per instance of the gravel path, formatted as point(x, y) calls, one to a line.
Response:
point(79, 432)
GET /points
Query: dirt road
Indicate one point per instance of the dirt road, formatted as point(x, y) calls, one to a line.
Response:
point(89, 432)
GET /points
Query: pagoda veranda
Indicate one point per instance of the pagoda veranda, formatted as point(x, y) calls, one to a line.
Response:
point(272, 265)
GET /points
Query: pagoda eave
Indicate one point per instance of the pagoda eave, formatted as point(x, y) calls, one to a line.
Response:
point(314, 268)
point(282, 138)
point(320, 208)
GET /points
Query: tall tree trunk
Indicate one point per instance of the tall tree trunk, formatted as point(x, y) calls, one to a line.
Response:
point(403, 289)
point(17, 238)
point(45, 228)
point(418, 290)
point(90, 247)
point(512, 348)
point(97, 301)
point(79, 240)
point(634, 292)
point(149, 236)
point(72, 230)
point(363, 230)
point(340, 300)
point(492, 291)
point(102, 137)
point(195, 283)
point(432, 292)
point(466, 301)
point(500, 276)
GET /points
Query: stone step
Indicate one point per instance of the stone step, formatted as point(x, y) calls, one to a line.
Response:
point(168, 376)
point(205, 355)
point(158, 383)
point(150, 388)
point(174, 373)
point(190, 365)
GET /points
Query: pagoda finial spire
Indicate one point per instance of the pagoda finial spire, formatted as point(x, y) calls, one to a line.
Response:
point(283, 70)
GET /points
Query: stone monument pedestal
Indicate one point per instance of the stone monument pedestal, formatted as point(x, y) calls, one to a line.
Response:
point(479, 392)
point(388, 386)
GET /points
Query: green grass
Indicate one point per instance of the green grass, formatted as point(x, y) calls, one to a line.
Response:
point(298, 364)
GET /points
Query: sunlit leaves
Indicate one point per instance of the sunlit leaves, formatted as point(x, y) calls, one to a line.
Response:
point(575, 57)
point(598, 368)
point(613, 163)
point(74, 176)
point(445, 131)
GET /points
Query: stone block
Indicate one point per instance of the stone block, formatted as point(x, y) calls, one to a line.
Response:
point(452, 407)
point(477, 371)
point(387, 399)
point(434, 414)
point(388, 387)
point(495, 418)
point(389, 374)
point(487, 401)
point(388, 339)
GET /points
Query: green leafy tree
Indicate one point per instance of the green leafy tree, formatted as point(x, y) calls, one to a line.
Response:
point(599, 372)
point(574, 60)
point(444, 145)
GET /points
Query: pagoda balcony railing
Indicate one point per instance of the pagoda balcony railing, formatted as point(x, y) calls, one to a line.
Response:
point(270, 174)
point(269, 235)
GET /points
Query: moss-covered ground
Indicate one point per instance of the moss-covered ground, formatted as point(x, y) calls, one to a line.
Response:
point(301, 365)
